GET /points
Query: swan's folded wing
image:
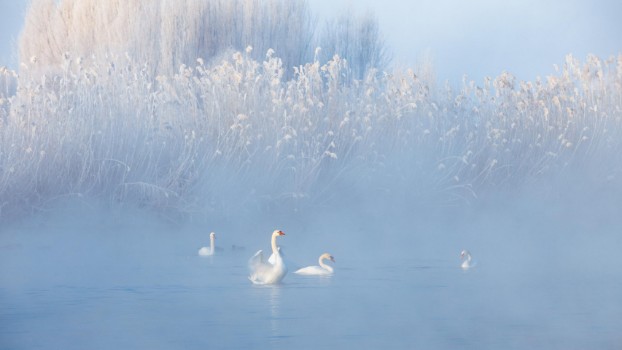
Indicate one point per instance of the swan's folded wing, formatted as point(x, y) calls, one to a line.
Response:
point(312, 270)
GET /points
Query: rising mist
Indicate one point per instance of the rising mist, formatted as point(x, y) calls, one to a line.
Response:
point(121, 149)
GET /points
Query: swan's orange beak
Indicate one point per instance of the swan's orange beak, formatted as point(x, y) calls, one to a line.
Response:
point(281, 233)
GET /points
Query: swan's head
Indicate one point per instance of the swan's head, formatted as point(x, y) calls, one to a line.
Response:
point(278, 233)
point(465, 253)
point(327, 256)
point(212, 235)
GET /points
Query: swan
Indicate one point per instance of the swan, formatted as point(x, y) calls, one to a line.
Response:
point(466, 257)
point(264, 272)
point(272, 258)
point(323, 269)
point(207, 251)
point(235, 247)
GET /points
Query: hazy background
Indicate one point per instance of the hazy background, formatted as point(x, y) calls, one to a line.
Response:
point(478, 38)
point(544, 231)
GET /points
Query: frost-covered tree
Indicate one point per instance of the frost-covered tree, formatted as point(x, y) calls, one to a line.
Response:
point(358, 39)
point(165, 34)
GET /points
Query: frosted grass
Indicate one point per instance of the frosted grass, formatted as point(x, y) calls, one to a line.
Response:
point(238, 134)
point(203, 122)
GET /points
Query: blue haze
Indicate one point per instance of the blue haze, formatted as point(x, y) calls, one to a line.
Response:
point(103, 273)
point(547, 277)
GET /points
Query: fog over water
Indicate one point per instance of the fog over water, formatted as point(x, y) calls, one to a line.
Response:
point(119, 157)
point(545, 277)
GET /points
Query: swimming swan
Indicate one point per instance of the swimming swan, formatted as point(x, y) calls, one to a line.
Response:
point(466, 257)
point(323, 269)
point(264, 272)
point(207, 251)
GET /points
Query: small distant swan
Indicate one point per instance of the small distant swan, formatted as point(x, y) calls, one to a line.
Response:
point(237, 247)
point(264, 272)
point(323, 269)
point(466, 257)
point(207, 251)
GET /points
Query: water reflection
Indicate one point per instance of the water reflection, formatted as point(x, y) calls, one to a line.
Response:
point(275, 313)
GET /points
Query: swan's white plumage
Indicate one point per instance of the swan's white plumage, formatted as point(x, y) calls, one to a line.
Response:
point(465, 255)
point(265, 272)
point(323, 269)
point(272, 258)
point(207, 251)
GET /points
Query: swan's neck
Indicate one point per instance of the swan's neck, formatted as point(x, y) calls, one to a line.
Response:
point(275, 249)
point(324, 266)
point(211, 244)
point(467, 261)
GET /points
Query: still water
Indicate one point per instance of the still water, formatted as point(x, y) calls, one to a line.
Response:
point(133, 289)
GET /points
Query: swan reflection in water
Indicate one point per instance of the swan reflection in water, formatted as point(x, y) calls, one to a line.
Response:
point(275, 314)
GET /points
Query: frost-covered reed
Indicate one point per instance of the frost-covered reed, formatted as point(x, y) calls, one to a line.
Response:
point(238, 134)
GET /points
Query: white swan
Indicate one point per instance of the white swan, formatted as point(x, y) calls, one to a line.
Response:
point(207, 251)
point(323, 269)
point(466, 257)
point(272, 258)
point(264, 272)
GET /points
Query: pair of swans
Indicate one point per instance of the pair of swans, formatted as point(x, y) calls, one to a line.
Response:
point(274, 270)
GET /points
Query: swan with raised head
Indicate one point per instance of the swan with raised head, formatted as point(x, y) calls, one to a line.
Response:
point(207, 251)
point(466, 260)
point(323, 269)
point(264, 272)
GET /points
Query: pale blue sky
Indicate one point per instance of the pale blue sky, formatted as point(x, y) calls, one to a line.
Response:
point(485, 37)
point(477, 37)
point(11, 21)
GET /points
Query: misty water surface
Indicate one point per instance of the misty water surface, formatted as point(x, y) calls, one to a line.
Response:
point(243, 127)
point(98, 280)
